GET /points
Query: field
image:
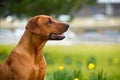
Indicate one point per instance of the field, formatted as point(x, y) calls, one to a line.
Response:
point(79, 62)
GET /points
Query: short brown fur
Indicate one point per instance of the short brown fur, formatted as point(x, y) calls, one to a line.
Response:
point(26, 61)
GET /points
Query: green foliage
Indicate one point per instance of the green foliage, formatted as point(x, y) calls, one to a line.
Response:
point(91, 60)
point(79, 64)
point(36, 7)
point(65, 74)
point(68, 60)
point(4, 51)
point(2, 57)
point(62, 75)
point(78, 74)
point(48, 59)
point(99, 76)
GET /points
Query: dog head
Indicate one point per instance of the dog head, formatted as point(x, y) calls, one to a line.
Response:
point(47, 27)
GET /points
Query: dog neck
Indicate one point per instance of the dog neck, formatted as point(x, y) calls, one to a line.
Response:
point(33, 44)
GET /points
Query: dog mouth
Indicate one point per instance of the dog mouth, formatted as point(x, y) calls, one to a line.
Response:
point(56, 36)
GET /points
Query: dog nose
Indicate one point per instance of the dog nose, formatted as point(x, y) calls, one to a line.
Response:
point(66, 25)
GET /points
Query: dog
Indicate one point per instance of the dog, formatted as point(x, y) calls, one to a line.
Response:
point(26, 61)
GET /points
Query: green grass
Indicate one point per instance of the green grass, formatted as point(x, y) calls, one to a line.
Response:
point(106, 57)
point(83, 52)
point(4, 51)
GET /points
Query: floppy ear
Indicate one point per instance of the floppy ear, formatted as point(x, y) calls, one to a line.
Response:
point(32, 26)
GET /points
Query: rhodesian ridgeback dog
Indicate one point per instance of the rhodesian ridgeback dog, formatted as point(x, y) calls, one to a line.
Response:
point(26, 61)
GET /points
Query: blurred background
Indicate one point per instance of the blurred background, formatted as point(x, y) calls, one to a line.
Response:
point(92, 43)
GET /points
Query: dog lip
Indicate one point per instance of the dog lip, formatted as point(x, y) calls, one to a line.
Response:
point(56, 36)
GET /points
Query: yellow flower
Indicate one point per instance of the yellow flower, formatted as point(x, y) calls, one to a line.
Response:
point(76, 79)
point(61, 68)
point(115, 61)
point(91, 66)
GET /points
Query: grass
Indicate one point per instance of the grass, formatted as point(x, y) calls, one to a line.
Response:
point(4, 51)
point(105, 57)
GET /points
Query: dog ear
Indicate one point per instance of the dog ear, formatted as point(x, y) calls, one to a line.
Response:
point(32, 26)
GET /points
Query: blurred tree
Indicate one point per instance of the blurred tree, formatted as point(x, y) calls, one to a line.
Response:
point(36, 7)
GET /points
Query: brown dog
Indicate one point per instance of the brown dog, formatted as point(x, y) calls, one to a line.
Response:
point(26, 61)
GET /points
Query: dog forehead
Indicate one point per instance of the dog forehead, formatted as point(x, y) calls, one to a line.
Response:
point(43, 18)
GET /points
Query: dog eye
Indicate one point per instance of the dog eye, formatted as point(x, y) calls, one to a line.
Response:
point(50, 21)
